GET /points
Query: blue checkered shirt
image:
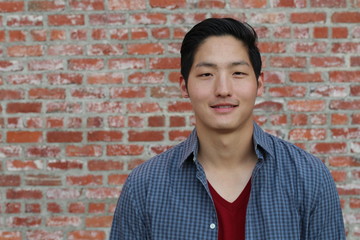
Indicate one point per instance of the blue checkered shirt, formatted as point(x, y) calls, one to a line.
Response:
point(293, 196)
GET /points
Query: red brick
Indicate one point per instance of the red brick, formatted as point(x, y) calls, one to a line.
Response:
point(41, 234)
point(98, 222)
point(11, 66)
point(159, 149)
point(164, 63)
point(124, 150)
point(18, 165)
point(126, 63)
point(300, 134)
point(128, 92)
point(327, 61)
point(64, 78)
point(321, 32)
point(306, 105)
point(105, 165)
point(63, 221)
point(179, 107)
point(7, 235)
point(57, 34)
point(119, 34)
point(104, 136)
point(95, 122)
point(23, 137)
point(177, 121)
point(211, 4)
point(26, 20)
point(97, 207)
point(339, 176)
point(339, 32)
point(63, 193)
point(10, 94)
point(329, 91)
point(172, 4)
point(179, 135)
point(308, 17)
point(318, 119)
point(12, 208)
point(77, 207)
point(31, 221)
point(318, 47)
point(23, 194)
point(65, 50)
point(44, 93)
point(55, 122)
point(347, 47)
point(345, 133)
point(34, 122)
point(328, 148)
point(354, 203)
point(339, 119)
point(10, 7)
point(134, 163)
point(116, 121)
point(86, 64)
point(344, 76)
point(272, 47)
point(25, 51)
point(305, 77)
point(107, 19)
point(88, 93)
point(287, 91)
point(156, 121)
point(145, 107)
point(17, 36)
point(355, 90)
point(288, 62)
point(165, 92)
point(63, 107)
point(328, 3)
point(355, 61)
point(345, 17)
point(136, 122)
point(86, 180)
point(74, 122)
point(46, 6)
point(135, 136)
point(64, 165)
point(87, 5)
point(145, 48)
point(43, 65)
point(87, 235)
point(42, 180)
point(105, 78)
point(127, 5)
point(105, 49)
point(348, 190)
point(269, 106)
point(54, 208)
point(66, 20)
point(43, 151)
point(160, 33)
point(61, 137)
point(117, 179)
point(10, 180)
point(83, 151)
point(105, 107)
point(38, 35)
point(32, 208)
point(142, 78)
point(345, 105)
point(10, 151)
point(102, 193)
point(17, 79)
point(148, 18)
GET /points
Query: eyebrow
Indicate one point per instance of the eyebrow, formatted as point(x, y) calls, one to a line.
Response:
point(213, 65)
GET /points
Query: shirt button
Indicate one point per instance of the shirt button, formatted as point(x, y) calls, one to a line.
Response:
point(212, 226)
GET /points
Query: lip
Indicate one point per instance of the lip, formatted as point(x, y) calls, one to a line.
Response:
point(224, 107)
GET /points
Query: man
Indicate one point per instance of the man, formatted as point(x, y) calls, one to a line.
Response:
point(229, 179)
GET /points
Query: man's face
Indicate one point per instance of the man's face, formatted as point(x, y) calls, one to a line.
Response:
point(222, 85)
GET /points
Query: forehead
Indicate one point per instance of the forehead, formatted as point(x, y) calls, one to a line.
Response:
point(221, 49)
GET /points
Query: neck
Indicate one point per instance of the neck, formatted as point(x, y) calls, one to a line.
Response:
point(226, 149)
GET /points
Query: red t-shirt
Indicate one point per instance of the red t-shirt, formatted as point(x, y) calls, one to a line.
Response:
point(231, 216)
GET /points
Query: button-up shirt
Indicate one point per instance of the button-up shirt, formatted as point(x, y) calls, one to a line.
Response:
point(293, 196)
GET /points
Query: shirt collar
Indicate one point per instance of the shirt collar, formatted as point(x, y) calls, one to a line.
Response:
point(191, 144)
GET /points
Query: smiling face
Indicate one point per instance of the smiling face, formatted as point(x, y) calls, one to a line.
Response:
point(222, 85)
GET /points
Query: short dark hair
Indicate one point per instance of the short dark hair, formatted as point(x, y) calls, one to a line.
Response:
point(219, 27)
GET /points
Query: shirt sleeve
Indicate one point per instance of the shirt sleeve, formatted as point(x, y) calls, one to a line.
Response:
point(127, 222)
point(326, 219)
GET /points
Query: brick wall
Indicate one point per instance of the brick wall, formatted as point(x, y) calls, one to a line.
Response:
point(89, 90)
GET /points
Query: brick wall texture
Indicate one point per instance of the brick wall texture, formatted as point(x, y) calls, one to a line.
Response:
point(89, 90)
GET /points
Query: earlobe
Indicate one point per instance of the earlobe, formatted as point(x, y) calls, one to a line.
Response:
point(183, 87)
point(260, 83)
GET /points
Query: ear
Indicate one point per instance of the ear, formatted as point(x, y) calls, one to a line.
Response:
point(260, 85)
point(183, 89)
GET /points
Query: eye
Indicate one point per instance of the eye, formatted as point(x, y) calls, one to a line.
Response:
point(239, 74)
point(205, 75)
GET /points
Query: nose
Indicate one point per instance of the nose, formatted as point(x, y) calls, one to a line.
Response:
point(223, 86)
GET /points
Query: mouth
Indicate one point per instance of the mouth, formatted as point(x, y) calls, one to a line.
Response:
point(224, 106)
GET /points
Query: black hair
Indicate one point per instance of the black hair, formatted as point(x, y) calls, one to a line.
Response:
point(219, 27)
